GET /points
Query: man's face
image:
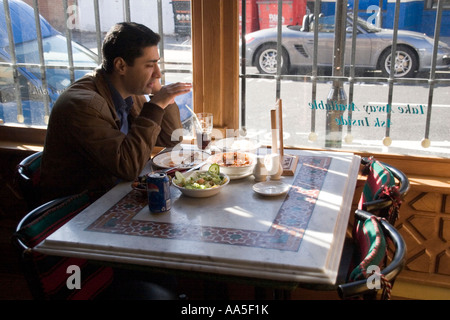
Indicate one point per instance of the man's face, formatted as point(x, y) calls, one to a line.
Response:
point(139, 79)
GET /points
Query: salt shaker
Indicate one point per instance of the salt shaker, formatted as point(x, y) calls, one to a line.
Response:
point(260, 171)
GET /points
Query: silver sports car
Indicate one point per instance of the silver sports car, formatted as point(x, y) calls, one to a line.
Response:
point(373, 48)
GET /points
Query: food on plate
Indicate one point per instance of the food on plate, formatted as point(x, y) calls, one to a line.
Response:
point(179, 159)
point(140, 183)
point(214, 168)
point(236, 165)
point(233, 159)
point(186, 161)
point(201, 180)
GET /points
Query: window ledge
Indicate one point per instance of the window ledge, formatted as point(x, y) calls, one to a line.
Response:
point(18, 146)
point(430, 183)
point(22, 138)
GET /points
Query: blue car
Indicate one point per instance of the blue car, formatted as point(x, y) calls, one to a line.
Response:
point(37, 95)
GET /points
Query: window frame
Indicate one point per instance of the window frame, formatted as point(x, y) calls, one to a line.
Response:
point(215, 47)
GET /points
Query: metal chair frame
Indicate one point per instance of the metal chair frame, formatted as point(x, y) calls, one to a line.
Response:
point(370, 208)
point(391, 270)
point(24, 180)
point(144, 289)
point(24, 251)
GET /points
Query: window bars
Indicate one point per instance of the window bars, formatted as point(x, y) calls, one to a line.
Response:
point(15, 66)
point(351, 79)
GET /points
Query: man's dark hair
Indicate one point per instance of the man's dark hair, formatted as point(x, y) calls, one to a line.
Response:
point(126, 40)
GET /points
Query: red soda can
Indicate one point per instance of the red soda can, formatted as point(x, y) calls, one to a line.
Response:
point(158, 192)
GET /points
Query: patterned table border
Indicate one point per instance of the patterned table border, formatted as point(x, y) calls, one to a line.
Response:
point(285, 233)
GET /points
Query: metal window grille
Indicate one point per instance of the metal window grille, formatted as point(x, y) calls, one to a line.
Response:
point(70, 66)
point(338, 78)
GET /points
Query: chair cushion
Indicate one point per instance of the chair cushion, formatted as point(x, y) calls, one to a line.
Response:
point(371, 248)
point(51, 220)
point(378, 178)
point(51, 271)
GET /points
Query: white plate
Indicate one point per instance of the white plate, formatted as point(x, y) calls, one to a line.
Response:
point(271, 188)
point(239, 176)
point(179, 158)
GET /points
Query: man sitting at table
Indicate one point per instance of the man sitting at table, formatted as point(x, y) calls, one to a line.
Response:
point(102, 129)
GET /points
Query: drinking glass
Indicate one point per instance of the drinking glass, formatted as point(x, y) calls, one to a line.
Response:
point(203, 129)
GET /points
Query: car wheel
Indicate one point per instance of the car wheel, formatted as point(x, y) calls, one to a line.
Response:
point(406, 63)
point(266, 60)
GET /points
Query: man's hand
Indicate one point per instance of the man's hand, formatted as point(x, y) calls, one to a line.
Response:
point(165, 95)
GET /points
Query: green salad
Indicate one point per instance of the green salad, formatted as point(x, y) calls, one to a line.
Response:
point(200, 180)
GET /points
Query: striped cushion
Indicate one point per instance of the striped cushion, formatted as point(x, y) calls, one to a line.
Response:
point(53, 275)
point(371, 248)
point(51, 271)
point(371, 242)
point(378, 178)
point(40, 228)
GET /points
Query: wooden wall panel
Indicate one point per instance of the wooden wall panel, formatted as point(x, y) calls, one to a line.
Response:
point(425, 226)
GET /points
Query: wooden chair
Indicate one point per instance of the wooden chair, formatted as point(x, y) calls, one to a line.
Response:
point(27, 178)
point(46, 275)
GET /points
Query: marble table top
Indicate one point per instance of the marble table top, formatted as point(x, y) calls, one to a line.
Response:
point(293, 237)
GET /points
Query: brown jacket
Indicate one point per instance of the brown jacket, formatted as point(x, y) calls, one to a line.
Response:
point(84, 147)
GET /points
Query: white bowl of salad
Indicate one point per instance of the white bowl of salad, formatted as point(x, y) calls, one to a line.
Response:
point(202, 183)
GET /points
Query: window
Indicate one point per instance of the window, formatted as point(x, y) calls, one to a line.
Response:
point(241, 95)
point(69, 45)
point(359, 108)
point(326, 24)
